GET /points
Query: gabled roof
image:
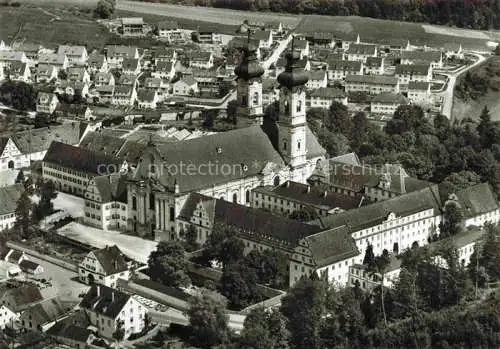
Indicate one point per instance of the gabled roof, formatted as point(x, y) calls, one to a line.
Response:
point(132, 21)
point(106, 77)
point(104, 301)
point(331, 246)
point(111, 258)
point(418, 85)
point(372, 79)
point(335, 64)
point(362, 49)
point(111, 188)
point(28, 265)
point(21, 295)
point(53, 58)
point(48, 310)
point(45, 69)
point(96, 59)
point(102, 143)
point(168, 25)
point(421, 56)
point(390, 98)
point(146, 95)
point(69, 331)
point(127, 79)
point(261, 35)
point(199, 56)
point(420, 69)
point(164, 66)
point(328, 93)
point(121, 51)
point(71, 50)
point(123, 90)
point(79, 159)
point(317, 75)
point(476, 200)
point(374, 62)
point(12, 55)
point(18, 67)
point(130, 63)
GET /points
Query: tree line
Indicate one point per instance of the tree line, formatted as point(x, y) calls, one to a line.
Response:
point(477, 14)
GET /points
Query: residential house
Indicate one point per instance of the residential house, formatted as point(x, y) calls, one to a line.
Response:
point(270, 91)
point(301, 46)
point(412, 72)
point(46, 103)
point(60, 61)
point(42, 315)
point(7, 58)
point(115, 54)
point(361, 52)
point(290, 197)
point(104, 266)
point(124, 95)
point(453, 51)
point(105, 93)
point(386, 103)
point(78, 74)
point(201, 59)
point(265, 38)
point(170, 31)
point(372, 84)
point(186, 86)
point(19, 296)
point(74, 111)
point(127, 80)
point(8, 204)
point(147, 99)
point(419, 93)
point(317, 79)
point(9, 155)
point(71, 168)
point(339, 70)
point(133, 26)
point(478, 204)
point(207, 37)
point(77, 55)
point(45, 73)
point(164, 70)
point(131, 66)
point(97, 63)
point(164, 54)
point(19, 71)
point(72, 335)
point(321, 39)
point(73, 88)
point(360, 276)
point(8, 318)
point(161, 87)
point(104, 79)
point(15, 256)
point(3, 46)
point(432, 58)
point(107, 307)
point(324, 97)
point(374, 66)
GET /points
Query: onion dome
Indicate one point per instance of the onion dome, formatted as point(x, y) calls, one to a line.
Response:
point(293, 75)
point(249, 67)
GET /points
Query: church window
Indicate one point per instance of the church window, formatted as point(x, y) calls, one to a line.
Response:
point(151, 201)
point(284, 145)
point(134, 203)
point(172, 214)
point(235, 198)
point(287, 108)
point(244, 100)
point(298, 145)
point(247, 196)
point(256, 98)
point(299, 106)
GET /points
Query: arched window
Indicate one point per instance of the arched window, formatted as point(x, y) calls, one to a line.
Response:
point(222, 197)
point(256, 98)
point(298, 145)
point(134, 203)
point(287, 108)
point(235, 198)
point(244, 100)
point(151, 201)
point(276, 180)
point(247, 196)
point(299, 106)
point(284, 145)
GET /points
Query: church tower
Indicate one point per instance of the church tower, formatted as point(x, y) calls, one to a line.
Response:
point(292, 116)
point(249, 83)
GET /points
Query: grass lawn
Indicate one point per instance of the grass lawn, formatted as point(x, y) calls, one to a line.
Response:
point(394, 32)
point(472, 108)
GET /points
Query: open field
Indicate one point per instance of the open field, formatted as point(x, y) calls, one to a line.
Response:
point(472, 108)
point(39, 26)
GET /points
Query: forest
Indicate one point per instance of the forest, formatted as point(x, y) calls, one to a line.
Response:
point(472, 14)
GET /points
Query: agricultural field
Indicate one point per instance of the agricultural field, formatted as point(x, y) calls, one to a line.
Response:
point(397, 33)
point(472, 107)
point(51, 26)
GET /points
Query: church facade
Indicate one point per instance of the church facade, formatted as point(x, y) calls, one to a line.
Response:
point(227, 165)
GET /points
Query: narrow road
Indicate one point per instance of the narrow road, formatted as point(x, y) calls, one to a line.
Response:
point(452, 80)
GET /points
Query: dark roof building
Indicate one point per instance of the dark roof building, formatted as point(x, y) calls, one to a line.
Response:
point(111, 259)
point(104, 301)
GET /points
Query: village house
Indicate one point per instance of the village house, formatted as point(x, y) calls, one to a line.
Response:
point(104, 266)
point(8, 318)
point(71, 334)
point(207, 37)
point(105, 93)
point(452, 50)
point(15, 256)
point(317, 79)
point(19, 296)
point(71, 168)
point(30, 267)
point(326, 96)
point(419, 93)
point(77, 55)
point(131, 66)
point(270, 91)
point(7, 58)
point(74, 111)
point(164, 70)
point(133, 26)
point(124, 95)
point(147, 99)
point(372, 84)
point(326, 40)
point(374, 66)
point(301, 46)
point(18, 71)
point(10, 156)
point(164, 54)
point(45, 73)
point(339, 70)
point(127, 80)
point(361, 52)
point(412, 72)
point(32, 51)
point(78, 74)
point(60, 61)
point(170, 31)
point(386, 103)
point(265, 38)
point(432, 58)
point(115, 54)
point(104, 79)
point(46, 103)
point(291, 197)
point(186, 86)
point(201, 59)
point(8, 204)
point(160, 86)
point(97, 63)
point(107, 307)
point(42, 315)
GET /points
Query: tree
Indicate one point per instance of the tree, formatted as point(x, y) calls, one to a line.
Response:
point(369, 258)
point(191, 237)
point(232, 116)
point(338, 119)
point(105, 9)
point(168, 265)
point(305, 214)
point(222, 246)
point(62, 75)
point(462, 180)
point(208, 322)
point(271, 266)
point(239, 285)
point(18, 94)
point(304, 308)
point(23, 215)
point(490, 252)
point(452, 218)
point(119, 333)
point(262, 330)
point(379, 266)
point(47, 193)
point(20, 177)
point(486, 129)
